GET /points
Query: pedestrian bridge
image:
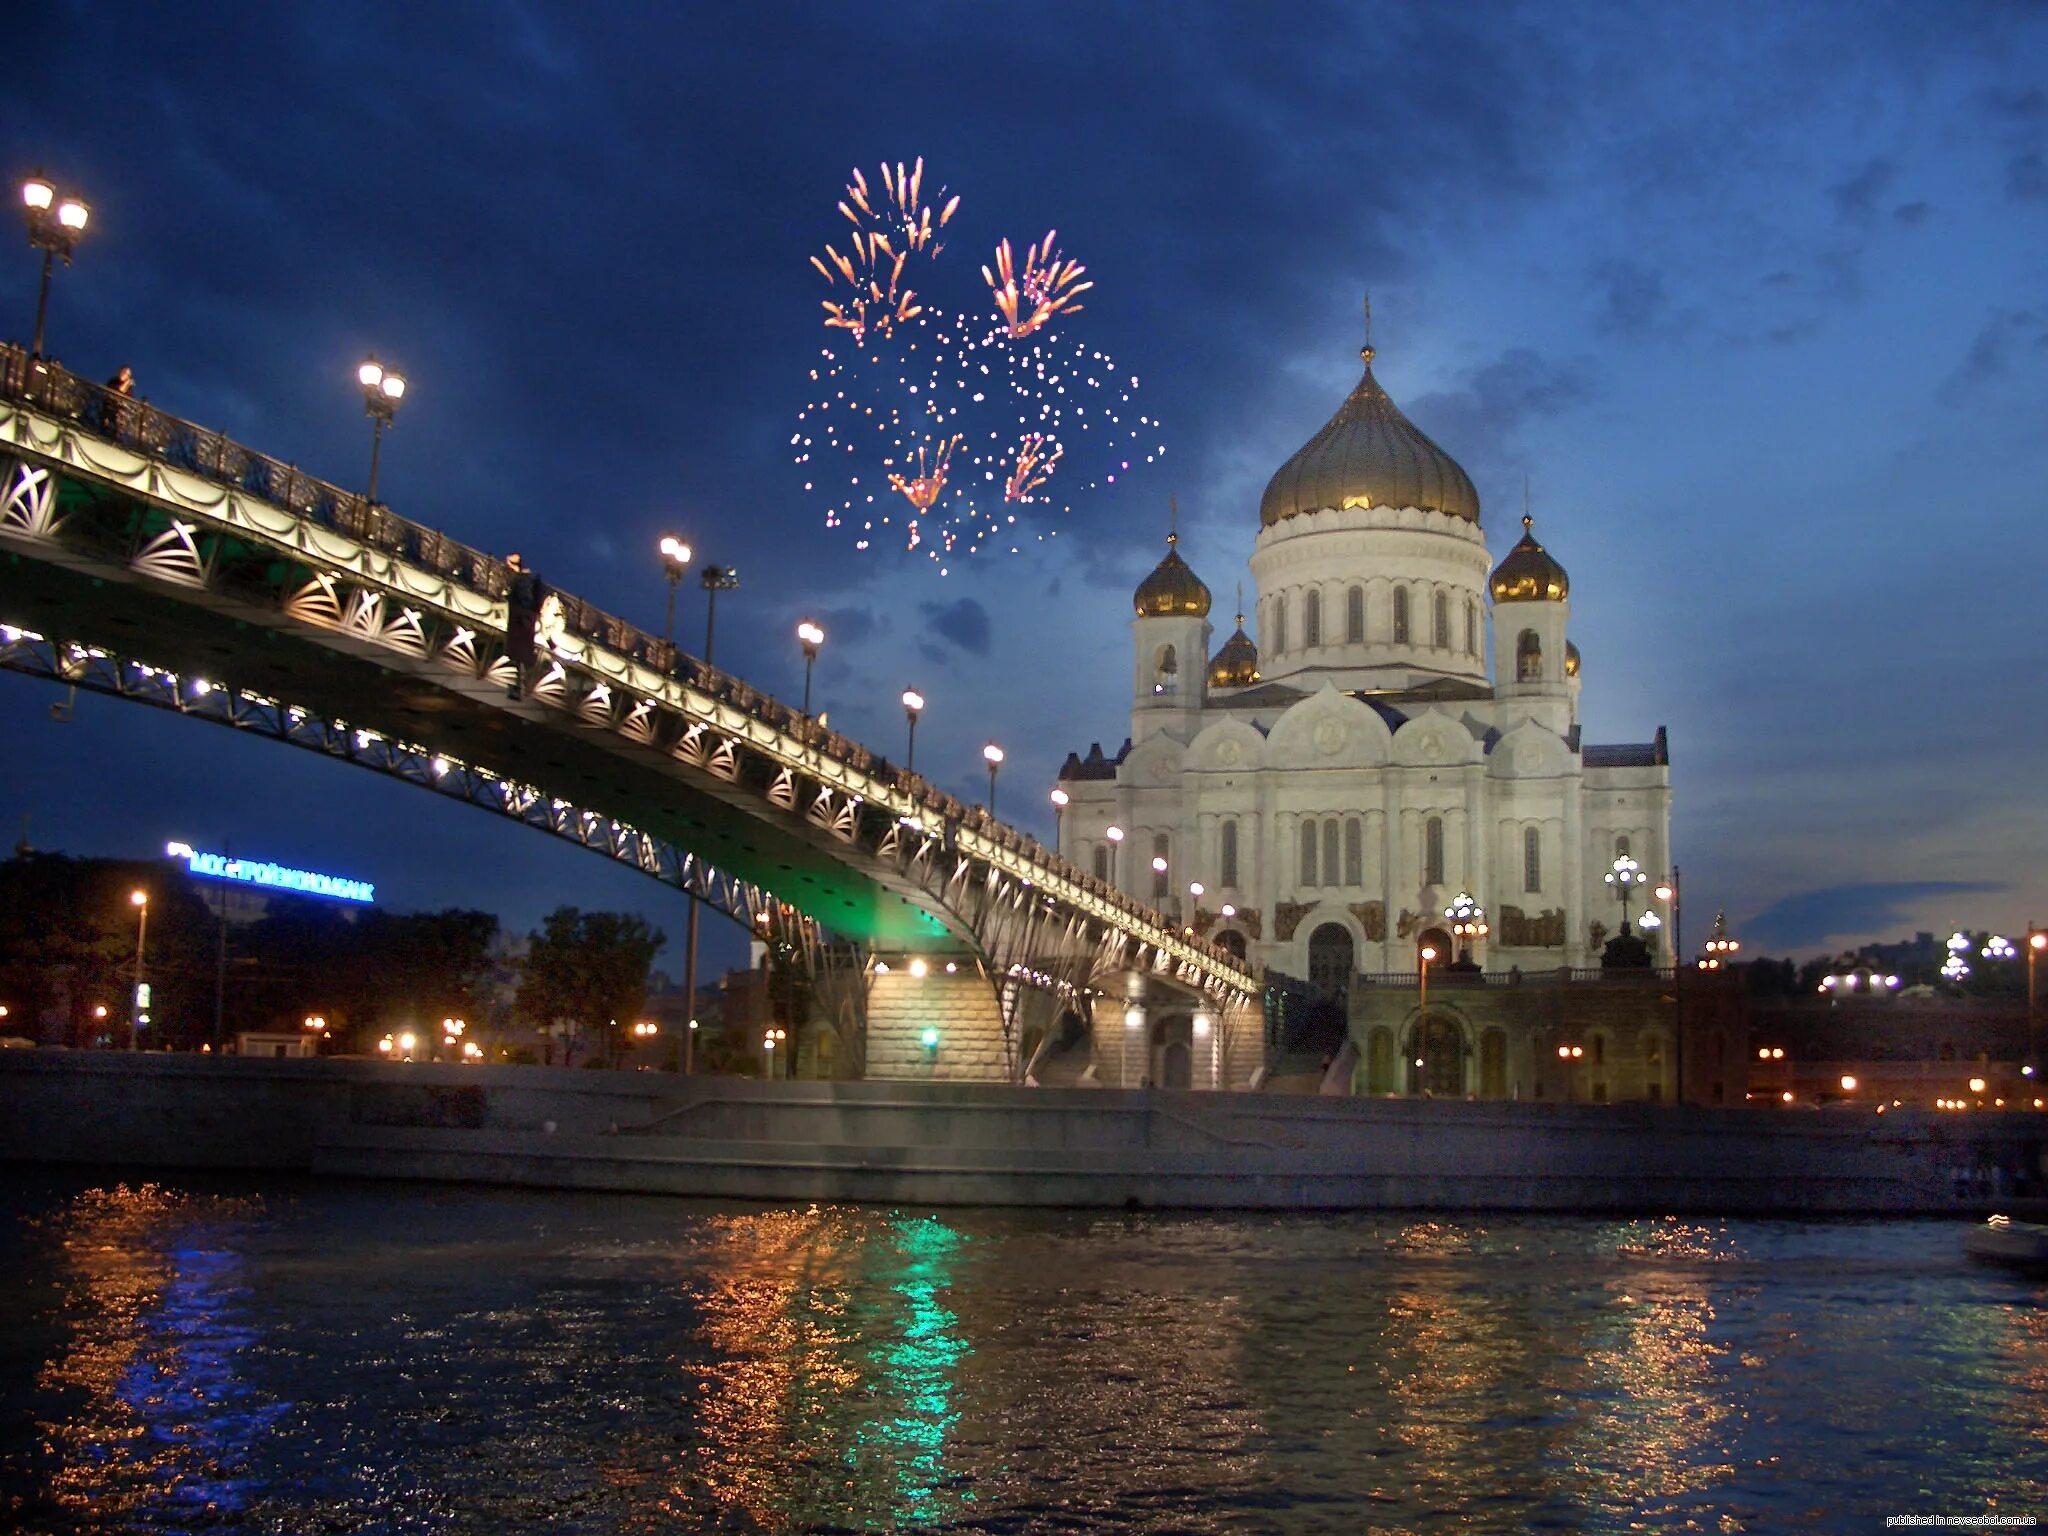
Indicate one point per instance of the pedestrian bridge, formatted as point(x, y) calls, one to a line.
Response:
point(147, 558)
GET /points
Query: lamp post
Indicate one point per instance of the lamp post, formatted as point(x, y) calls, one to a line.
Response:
point(140, 900)
point(1570, 1056)
point(1059, 798)
point(1116, 846)
point(1669, 892)
point(54, 225)
point(1426, 954)
point(383, 388)
point(715, 579)
point(810, 637)
point(993, 756)
point(2037, 940)
point(1955, 968)
point(1720, 949)
point(1468, 922)
point(913, 706)
point(675, 559)
point(1624, 876)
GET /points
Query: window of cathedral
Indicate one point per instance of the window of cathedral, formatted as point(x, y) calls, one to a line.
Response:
point(1161, 866)
point(1102, 864)
point(1471, 627)
point(1529, 658)
point(1312, 620)
point(1599, 1051)
point(1166, 670)
point(1433, 851)
point(1231, 942)
point(1354, 615)
point(1442, 622)
point(1279, 623)
point(1354, 853)
point(1330, 834)
point(1400, 615)
point(1532, 859)
point(1621, 846)
point(1308, 853)
point(1226, 855)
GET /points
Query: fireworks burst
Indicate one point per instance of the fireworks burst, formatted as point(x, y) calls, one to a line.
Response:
point(971, 423)
point(1047, 288)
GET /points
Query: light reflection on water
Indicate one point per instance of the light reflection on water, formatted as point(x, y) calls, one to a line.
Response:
point(373, 1358)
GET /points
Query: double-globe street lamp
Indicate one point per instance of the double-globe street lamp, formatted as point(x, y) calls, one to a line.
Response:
point(1059, 798)
point(913, 706)
point(137, 1014)
point(382, 389)
point(810, 636)
point(1424, 956)
point(714, 579)
point(54, 225)
point(993, 756)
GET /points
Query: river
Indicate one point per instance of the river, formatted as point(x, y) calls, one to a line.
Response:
point(291, 1356)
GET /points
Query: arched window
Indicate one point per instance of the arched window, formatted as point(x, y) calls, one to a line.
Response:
point(1528, 658)
point(1312, 619)
point(1308, 853)
point(1279, 623)
point(1400, 615)
point(1166, 670)
point(1160, 877)
point(1354, 853)
point(1231, 941)
point(1441, 623)
point(1621, 846)
point(1471, 627)
point(1226, 855)
point(1532, 859)
point(1330, 865)
point(1102, 864)
point(1433, 851)
point(1354, 615)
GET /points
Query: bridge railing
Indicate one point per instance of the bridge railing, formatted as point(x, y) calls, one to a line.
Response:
point(136, 424)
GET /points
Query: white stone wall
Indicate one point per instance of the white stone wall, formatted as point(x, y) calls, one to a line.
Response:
point(962, 1008)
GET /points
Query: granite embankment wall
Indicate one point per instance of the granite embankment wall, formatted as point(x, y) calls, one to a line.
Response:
point(975, 1144)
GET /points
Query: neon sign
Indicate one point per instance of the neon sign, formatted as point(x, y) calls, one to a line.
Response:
point(305, 882)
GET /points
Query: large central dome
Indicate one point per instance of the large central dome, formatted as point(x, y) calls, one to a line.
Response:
point(1369, 455)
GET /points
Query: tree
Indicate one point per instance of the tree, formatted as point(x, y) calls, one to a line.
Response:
point(588, 970)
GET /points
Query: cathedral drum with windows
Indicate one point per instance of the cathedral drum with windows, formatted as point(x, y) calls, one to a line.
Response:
point(1335, 786)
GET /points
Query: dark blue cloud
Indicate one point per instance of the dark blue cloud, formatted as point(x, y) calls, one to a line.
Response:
point(1808, 919)
point(964, 622)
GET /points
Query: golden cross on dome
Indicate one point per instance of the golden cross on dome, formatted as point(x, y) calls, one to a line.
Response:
point(1240, 605)
point(1173, 522)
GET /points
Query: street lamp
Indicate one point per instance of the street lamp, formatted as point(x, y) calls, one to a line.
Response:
point(383, 388)
point(810, 637)
point(1426, 954)
point(675, 559)
point(715, 579)
point(54, 225)
point(993, 756)
point(136, 1017)
point(1468, 922)
point(1059, 798)
point(1720, 949)
point(1625, 875)
point(913, 706)
point(1116, 846)
point(1570, 1055)
point(2037, 940)
point(1955, 968)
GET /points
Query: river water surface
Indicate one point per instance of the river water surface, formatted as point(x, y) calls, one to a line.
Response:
point(295, 1357)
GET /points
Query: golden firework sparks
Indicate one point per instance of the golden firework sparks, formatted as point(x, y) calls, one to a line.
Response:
point(1033, 466)
point(1048, 286)
point(924, 489)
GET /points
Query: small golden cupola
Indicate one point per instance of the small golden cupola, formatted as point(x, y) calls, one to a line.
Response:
point(1529, 574)
point(1236, 664)
point(1172, 590)
point(1571, 659)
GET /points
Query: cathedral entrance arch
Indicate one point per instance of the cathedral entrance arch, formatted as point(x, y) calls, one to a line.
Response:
point(1330, 961)
point(1438, 940)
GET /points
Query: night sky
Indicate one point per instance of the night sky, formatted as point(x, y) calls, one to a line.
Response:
point(1752, 295)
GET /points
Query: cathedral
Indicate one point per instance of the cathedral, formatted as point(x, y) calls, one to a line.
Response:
point(1403, 733)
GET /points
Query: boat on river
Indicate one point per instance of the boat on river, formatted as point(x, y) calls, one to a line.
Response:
point(2017, 1245)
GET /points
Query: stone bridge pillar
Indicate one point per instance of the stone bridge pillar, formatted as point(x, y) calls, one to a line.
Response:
point(934, 1028)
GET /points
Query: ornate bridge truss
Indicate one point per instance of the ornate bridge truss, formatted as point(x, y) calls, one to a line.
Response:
point(154, 561)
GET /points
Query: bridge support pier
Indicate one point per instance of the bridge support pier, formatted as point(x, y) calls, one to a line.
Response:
point(935, 1028)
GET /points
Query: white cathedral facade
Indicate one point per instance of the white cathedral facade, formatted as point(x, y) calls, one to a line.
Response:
point(1405, 730)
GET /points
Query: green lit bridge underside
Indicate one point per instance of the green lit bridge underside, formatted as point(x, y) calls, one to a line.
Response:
point(156, 551)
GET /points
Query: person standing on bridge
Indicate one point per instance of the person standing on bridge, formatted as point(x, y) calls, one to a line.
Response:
point(114, 408)
point(522, 606)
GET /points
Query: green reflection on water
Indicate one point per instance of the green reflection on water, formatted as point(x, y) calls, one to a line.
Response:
point(913, 1371)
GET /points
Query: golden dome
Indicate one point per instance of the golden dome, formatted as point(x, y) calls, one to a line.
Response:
point(1571, 659)
point(1528, 574)
point(1172, 589)
point(1369, 455)
point(1237, 663)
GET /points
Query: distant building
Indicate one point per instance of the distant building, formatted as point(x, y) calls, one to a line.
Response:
point(1406, 728)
